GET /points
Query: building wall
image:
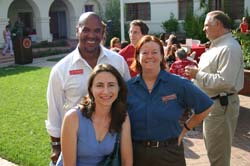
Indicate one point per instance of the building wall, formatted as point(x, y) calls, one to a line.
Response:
point(40, 10)
point(161, 9)
point(247, 5)
point(160, 12)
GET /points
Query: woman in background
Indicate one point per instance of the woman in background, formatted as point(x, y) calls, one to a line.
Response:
point(244, 25)
point(115, 44)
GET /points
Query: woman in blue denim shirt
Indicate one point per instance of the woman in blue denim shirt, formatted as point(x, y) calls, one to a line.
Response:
point(156, 101)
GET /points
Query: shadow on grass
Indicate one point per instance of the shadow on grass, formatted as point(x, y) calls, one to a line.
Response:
point(13, 70)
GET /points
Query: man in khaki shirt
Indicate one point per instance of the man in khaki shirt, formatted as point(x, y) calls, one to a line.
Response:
point(220, 74)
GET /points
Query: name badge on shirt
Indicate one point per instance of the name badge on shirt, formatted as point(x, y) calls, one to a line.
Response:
point(165, 99)
point(75, 72)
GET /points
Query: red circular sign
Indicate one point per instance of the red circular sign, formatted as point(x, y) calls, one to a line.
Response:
point(26, 43)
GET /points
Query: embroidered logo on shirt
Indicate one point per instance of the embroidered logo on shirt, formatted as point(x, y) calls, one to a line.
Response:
point(75, 72)
point(165, 99)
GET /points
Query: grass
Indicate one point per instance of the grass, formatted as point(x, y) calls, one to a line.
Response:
point(23, 109)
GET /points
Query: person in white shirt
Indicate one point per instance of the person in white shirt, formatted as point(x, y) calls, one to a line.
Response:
point(8, 41)
point(220, 74)
point(68, 78)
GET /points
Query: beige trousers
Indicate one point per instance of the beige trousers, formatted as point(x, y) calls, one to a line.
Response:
point(219, 128)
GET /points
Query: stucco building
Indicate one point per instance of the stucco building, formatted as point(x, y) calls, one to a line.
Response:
point(47, 19)
point(157, 11)
point(55, 19)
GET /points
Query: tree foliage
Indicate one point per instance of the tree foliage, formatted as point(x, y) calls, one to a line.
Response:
point(245, 42)
point(171, 25)
point(193, 26)
point(112, 16)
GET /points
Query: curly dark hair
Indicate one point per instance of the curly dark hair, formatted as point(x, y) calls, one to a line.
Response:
point(119, 106)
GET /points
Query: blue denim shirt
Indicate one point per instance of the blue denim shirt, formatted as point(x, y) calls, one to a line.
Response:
point(155, 115)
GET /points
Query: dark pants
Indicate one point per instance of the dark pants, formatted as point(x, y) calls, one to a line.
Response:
point(170, 155)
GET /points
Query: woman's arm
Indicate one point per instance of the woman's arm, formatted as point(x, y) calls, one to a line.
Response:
point(126, 144)
point(193, 121)
point(69, 138)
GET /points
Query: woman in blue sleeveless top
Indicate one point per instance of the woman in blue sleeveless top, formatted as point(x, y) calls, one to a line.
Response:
point(89, 131)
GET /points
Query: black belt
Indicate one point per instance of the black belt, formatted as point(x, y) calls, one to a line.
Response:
point(157, 144)
point(218, 96)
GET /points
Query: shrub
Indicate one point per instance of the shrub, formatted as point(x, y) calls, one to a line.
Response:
point(170, 25)
point(245, 43)
point(44, 44)
point(112, 14)
point(49, 52)
point(193, 26)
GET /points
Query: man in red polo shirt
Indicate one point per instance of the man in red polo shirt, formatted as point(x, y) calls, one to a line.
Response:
point(136, 31)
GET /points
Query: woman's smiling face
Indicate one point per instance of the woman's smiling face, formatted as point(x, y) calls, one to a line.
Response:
point(105, 89)
point(150, 56)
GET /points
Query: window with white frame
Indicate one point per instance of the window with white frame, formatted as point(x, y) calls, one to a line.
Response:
point(138, 11)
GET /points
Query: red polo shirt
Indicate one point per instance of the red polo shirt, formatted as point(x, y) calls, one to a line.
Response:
point(128, 54)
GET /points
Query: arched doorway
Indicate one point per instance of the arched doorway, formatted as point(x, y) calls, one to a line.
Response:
point(24, 11)
point(58, 20)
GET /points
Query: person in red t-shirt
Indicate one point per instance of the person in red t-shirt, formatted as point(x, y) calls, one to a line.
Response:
point(178, 67)
point(244, 25)
point(136, 31)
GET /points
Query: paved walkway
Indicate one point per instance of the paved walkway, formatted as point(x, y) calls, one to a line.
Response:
point(195, 151)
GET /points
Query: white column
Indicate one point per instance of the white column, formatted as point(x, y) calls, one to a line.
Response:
point(43, 28)
point(72, 27)
point(122, 20)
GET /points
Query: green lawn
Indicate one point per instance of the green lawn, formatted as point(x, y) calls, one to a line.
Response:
point(23, 110)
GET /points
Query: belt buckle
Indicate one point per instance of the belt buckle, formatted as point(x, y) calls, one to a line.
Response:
point(157, 145)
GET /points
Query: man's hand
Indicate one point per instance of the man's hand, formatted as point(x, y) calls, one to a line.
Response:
point(191, 71)
point(56, 150)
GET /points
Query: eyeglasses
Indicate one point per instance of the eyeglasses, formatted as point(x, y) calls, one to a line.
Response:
point(134, 32)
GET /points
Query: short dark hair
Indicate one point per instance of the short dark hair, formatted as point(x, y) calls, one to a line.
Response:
point(124, 43)
point(143, 26)
point(181, 53)
point(119, 106)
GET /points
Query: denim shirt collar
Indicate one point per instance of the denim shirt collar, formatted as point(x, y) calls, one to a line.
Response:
point(162, 76)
